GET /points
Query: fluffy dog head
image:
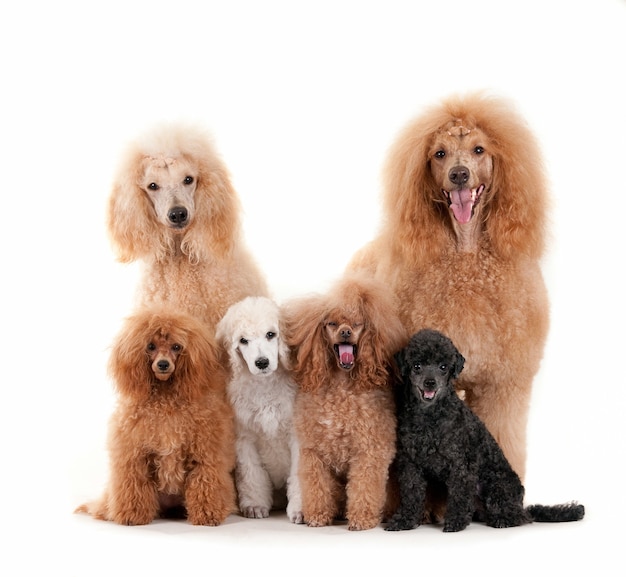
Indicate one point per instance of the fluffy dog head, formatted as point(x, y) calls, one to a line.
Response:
point(352, 330)
point(428, 366)
point(172, 192)
point(467, 163)
point(251, 333)
point(159, 353)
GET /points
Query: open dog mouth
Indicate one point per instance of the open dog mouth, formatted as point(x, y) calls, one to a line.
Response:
point(462, 202)
point(346, 354)
point(428, 395)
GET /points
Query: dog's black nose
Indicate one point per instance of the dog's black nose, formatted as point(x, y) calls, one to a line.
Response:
point(430, 384)
point(163, 365)
point(178, 215)
point(458, 175)
point(346, 333)
point(262, 363)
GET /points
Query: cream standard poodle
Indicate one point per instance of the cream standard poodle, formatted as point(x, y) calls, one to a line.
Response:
point(464, 230)
point(262, 392)
point(344, 416)
point(173, 207)
point(171, 437)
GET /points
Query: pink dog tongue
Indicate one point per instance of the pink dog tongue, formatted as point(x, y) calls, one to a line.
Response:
point(346, 354)
point(461, 202)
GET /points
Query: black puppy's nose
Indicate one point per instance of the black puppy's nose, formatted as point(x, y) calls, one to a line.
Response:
point(163, 365)
point(458, 175)
point(430, 384)
point(178, 215)
point(262, 363)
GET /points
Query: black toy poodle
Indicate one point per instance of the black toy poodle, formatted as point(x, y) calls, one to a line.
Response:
point(441, 442)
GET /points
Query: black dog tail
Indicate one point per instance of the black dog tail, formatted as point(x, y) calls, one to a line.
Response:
point(556, 513)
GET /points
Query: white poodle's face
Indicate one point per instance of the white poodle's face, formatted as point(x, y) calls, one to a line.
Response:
point(259, 349)
point(170, 184)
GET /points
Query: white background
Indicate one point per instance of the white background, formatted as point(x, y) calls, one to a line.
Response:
point(303, 99)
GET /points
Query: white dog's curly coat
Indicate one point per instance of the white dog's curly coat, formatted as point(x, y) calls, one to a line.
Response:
point(262, 394)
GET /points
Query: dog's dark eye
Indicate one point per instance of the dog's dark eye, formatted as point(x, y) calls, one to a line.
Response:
point(153, 186)
point(177, 348)
point(440, 154)
point(417, 367)
point(443, 368)
point(151, 347)
point(243, 341)
point(331, 324)
point(479, 150)
point(188, 180)
point(270, 335)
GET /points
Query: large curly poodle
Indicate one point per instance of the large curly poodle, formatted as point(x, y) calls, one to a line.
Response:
point(441, 441)
point(465, 219)
point(171, 437)
point(262, 391)
point(174, 208)
point(344, 416)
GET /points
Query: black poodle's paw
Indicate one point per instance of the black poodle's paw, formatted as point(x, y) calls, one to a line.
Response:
point(398, 523)
point(503, 522)
point(455, 525)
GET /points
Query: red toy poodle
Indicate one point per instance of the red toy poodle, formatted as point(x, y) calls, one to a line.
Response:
point(171, 437)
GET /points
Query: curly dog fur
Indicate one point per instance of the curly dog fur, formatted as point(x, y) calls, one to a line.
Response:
point(441, 441)
point(171, 437)
point(465, 217)
point(343, 343)
point(262, 393)
point(174, 208)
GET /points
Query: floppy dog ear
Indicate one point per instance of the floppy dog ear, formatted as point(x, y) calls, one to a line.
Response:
point(518, 204)
point(401, 384)
point(284, 352)
point(129, 365)
point(198, 368)
point(304, 322)
point(131, 220)
point(384, 334)
point(216, 225)
point(459, 363)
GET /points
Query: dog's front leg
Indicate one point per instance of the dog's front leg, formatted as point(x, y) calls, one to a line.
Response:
point(254, 486)
point(461, 498)
point(320, 490)
point(366, 493)
point(413, 485)
point(294, 492)
point(132, 495)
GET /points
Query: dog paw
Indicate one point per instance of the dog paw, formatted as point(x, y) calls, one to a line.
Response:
point(502, 523)
point(362, 524)
point(319, 520)
point(133, 518)
point(296, 517)
point(399, 524)
point(455, 525)
point(255, 512)
point(206, 518)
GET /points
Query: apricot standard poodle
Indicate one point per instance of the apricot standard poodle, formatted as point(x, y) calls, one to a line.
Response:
point(171, 437)
point(440, 440)
point(173, 207)
point(344, 416)
point(465, 218)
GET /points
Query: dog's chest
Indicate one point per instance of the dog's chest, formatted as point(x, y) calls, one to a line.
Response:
point(263, 411)
point(435, 443)
point(338, 423)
